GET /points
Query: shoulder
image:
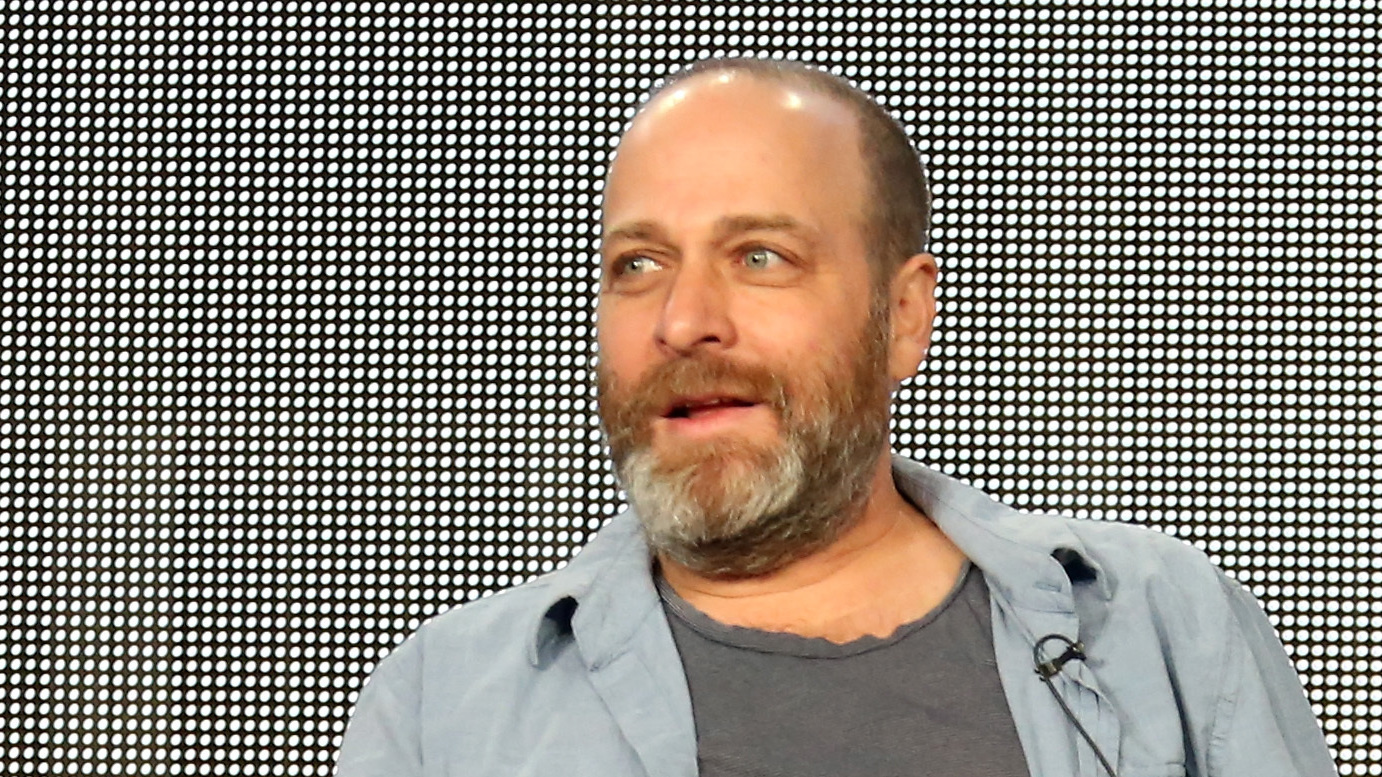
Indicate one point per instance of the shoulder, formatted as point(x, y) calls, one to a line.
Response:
point(1135, 552)
point(512, 625)
point(452, 689)
point(1164, 602)
point(1016, 547)
point(1175, 580)
point(489, 629)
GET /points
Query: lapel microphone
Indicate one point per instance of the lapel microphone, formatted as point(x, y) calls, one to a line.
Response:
point(1048, 668)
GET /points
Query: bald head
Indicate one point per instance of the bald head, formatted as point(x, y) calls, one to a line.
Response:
point(730, 146)
point(895, 207)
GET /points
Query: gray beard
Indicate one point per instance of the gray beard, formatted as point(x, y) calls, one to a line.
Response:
point(767, 513)
point(742, 511)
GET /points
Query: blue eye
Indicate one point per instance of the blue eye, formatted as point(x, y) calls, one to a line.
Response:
point(635, 265)
point(762, 258)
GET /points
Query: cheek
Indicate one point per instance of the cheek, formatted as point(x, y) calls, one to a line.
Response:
point(623, 352)
point(820, 364)
point(801, 341)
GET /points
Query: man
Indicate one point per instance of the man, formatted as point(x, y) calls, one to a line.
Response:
point(786, 597)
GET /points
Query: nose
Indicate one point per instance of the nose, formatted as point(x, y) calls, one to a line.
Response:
point(695, 312)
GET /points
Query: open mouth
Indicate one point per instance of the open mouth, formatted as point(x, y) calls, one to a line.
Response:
point(691, 408)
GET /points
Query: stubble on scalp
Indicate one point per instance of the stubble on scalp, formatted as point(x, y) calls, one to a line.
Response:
point(735, 509)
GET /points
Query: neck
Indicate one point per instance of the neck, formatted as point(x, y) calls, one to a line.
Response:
point(891, 567)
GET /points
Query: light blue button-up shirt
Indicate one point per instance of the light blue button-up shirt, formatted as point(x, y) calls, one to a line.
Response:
point(576, 674)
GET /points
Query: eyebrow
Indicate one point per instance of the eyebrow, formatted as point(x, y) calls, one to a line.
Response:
point(725, 228)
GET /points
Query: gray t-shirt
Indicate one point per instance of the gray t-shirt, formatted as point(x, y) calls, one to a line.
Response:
point(924, 701)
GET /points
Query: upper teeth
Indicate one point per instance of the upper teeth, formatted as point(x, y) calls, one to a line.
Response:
point(709, 403)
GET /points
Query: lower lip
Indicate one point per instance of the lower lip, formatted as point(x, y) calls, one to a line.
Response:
point(710, 422)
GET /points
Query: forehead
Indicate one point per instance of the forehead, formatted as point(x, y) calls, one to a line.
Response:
point(714, 145)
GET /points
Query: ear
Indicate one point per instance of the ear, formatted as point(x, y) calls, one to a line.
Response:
point(913, 299)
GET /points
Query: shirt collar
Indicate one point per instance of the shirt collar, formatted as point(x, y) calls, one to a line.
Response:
point(1037, 559)
point(602, 595)
point(606, 592)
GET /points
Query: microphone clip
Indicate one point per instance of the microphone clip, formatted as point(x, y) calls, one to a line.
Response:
point(1074, 651)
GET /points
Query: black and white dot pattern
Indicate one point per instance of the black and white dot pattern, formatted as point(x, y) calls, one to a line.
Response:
point(296, 322)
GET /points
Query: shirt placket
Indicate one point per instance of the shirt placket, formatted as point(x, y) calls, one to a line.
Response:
point(1040, 721)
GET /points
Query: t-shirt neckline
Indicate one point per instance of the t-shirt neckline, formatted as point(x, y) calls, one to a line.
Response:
point(786, 643)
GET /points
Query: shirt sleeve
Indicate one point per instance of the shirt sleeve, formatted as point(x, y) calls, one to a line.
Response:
point(1264, 724)
point(382, 737)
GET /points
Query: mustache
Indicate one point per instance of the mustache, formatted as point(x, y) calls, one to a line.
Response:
point(690, 376)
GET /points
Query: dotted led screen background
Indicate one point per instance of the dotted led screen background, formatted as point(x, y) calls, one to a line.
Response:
point(296, 307)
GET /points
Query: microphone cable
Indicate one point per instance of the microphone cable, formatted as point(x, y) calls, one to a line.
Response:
point(1048, 669)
